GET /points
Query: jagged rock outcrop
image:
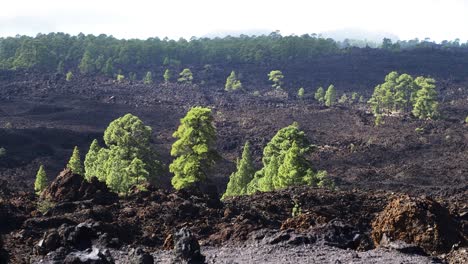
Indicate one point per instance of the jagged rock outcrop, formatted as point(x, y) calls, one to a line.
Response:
point(73, 187)
point(186, 248)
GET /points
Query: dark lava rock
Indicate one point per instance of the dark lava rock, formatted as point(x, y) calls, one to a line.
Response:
point(73, 187)
point(186, 248)
point(49, 242)
point(139, 256)
point(420, 221)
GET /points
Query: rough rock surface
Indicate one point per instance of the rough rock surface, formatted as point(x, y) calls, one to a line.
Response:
point(73, 187)
point(186, 248)
point(419, 221)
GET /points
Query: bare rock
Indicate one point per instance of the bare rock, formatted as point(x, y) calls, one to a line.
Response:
point(186, 248)
point(418, 221)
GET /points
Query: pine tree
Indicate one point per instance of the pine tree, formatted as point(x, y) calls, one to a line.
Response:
point(91, 157)
point(108, 68)
point(343, 99)
point(194, 149)
point(60, 67)
point(75, 162)
point(185, 76)
point(128, 151)
point(320, 95)
point(136, 171)
point(167, 76)
point(232, 83)
point(41, 180)
point(425, 105)
point(330, 96)
point(294, 170)
point(300, 92)
point(239, 180)
point(274, 155)
point(69, 76)
point(148, 78)
point(87, 63)
point(276, 77)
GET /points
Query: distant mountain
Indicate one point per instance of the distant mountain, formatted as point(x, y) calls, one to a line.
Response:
point(237, 33)
point(359, 34)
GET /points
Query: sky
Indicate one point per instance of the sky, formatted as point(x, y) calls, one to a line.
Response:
point(407, 19)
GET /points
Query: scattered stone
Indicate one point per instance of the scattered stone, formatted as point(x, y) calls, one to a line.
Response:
point(139, 256)
point(187, 248)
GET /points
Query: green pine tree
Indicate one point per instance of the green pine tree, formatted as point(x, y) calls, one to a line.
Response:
point(167, 76)
point(75, 162)
point(108, 68)
point(195, 149)
point(232, 83)
point(41, 180)
point(90, 163)
point(69, 76)
point(148, 78)
point(87, 63)
point(330, 96)
point(425, 104)
point(294, 170)
point(320, 95)
point(239, 180)
point(276, 77)
point(300, 93)
point(185, 76)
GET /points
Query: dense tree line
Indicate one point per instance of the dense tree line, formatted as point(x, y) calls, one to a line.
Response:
point(89, 54)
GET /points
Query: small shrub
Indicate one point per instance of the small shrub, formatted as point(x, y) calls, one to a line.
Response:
point(44, 206)
point(256, 93)
point(419, 130)
point(120, 78)
point(69, 76)
point(297, 210)
point(466, 120)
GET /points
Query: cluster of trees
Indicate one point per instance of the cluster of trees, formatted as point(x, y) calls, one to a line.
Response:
point(127, 160)
point(284, 164)
point(59, 52)
point(403, 93)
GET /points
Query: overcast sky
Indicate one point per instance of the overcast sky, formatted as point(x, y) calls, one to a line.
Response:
point(407, 19)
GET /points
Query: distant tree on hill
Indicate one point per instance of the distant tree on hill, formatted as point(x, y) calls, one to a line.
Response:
point(239, 180)
point(354, 97)
point(406, 94)
point(185, 76)
point(330, 96)
point(74, 164)
point(87, 63)
point(100, 63)
point(69, 76)
point(41, 180)
point(120, 78)
point(167, 76)
point(148, 78)
point(276, 77)
point(320, 95)
point(60, 68)
point(300, 92)
point(425, 104)
point(343, 99)
point(232, 83)
point(108, 68)
point(194, 149)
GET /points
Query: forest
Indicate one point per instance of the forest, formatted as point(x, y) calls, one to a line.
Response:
point(102, 54)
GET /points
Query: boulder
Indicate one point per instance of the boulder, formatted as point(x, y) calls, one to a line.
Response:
point(139, 256)
point(69, 187)
point(417, 221)
point(186, 248)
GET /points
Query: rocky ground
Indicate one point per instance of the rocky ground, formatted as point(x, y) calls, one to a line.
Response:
point(77, 221)
point(401, 197)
